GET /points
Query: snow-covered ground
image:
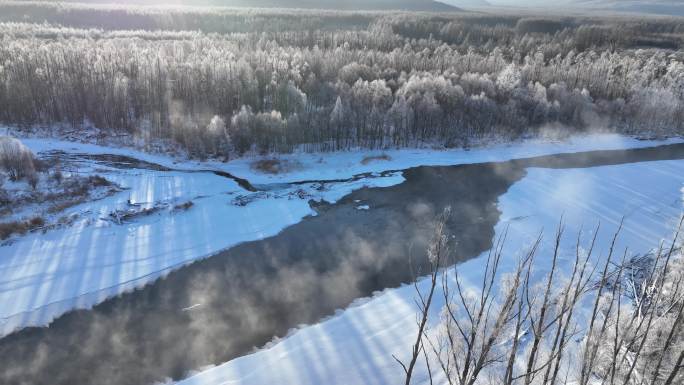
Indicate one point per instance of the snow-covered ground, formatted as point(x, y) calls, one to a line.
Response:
point(344, 165)
point(45, 275)
point(356, 345)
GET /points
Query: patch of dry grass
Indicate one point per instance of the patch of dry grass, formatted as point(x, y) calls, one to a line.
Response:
point(183, 206)
point(61, 206)
point(20, 227)
point(274, 166)
point(75, 192)
point(374, 158)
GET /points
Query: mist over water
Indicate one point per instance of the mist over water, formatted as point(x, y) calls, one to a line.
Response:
point(223, 307)
point(197, 80)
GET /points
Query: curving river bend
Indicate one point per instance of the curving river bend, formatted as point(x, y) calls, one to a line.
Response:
point(222, 307)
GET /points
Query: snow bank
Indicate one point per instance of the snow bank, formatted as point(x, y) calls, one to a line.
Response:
point(44, 275)
point(344, 165)
point(356, 346)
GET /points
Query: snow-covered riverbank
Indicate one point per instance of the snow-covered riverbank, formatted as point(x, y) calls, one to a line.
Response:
point(45, 275)
point(357, 345)
point(344, 165)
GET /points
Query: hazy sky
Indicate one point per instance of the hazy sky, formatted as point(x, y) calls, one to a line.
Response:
point(663, 7)
point(526, 2)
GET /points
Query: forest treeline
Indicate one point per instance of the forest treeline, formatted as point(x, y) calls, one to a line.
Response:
point(223, 82)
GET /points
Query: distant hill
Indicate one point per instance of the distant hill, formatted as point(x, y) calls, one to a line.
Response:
point(347, 5)
point(409, 5)
point(468, 3)
point(664, 7)
point(660, 7)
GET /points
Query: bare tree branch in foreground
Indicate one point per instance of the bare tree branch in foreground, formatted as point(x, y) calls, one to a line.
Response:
point(617, 322)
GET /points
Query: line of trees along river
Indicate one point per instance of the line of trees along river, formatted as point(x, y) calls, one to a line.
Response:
point(223, 82)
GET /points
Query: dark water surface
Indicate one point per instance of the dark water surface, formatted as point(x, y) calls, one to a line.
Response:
point(222, 307)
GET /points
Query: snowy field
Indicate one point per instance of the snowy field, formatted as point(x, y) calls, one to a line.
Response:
point(45, 275)
point(356, 345)
point(344, 165)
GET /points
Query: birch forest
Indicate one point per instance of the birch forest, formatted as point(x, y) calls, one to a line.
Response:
point(222, 82)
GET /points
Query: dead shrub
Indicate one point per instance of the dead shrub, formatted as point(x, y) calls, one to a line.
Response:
point(7, 229)
point(33, 180)
point(36, 222)
point(4, 197)
point(81, 187)
point(61, 206)
point(274, 166)
point(183, 206)
point(268, 166)
point(366, 160)
point(98, 181)
point(16, 159)
point(57, 175)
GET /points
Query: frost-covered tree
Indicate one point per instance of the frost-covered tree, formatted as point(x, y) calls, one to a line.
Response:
point(509, 78)
point(400, 79)
point(614, 322)
point(16, 159)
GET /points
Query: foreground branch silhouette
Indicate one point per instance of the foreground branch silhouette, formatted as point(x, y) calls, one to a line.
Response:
point(616, 320)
